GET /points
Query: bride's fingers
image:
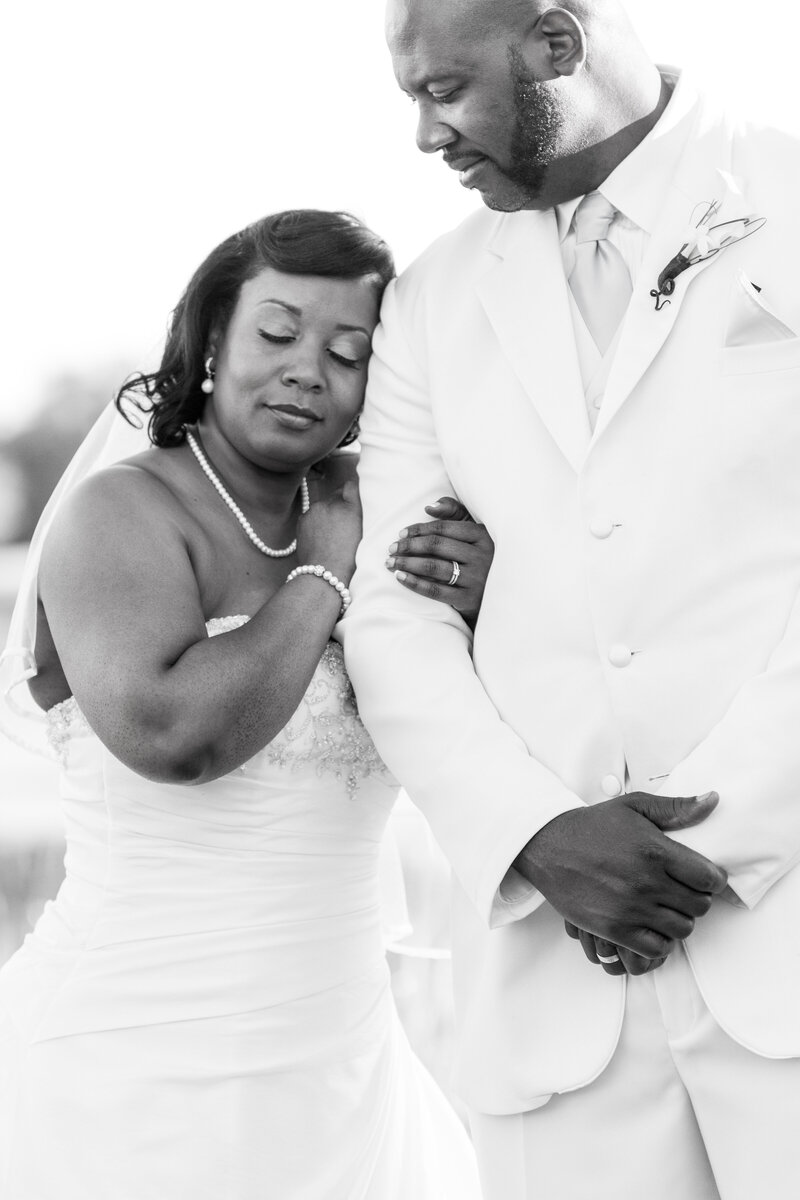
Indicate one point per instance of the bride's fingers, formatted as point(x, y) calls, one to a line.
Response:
point(443, 571)
point(435, 589)
point(460, 586)
point(447, 508)
point(447, 561)
point(442, 579)
point(432, 554)
point(435, 537)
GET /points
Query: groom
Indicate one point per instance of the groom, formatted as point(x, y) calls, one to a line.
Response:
point(604, 364)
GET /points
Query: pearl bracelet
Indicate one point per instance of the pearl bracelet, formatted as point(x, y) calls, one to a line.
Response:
point(322, 573)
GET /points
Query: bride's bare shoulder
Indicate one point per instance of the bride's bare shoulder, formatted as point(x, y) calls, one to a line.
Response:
point(127, 501)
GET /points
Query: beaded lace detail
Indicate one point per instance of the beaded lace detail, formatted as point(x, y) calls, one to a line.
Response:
point(326, 729)
point(65, 720)
point(225, 624)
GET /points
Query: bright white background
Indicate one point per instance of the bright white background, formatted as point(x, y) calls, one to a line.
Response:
point(140, 135)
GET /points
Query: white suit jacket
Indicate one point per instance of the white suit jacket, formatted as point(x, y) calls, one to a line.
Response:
point(695, 461)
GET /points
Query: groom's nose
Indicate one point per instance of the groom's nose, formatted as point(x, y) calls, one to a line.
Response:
point(432, 133)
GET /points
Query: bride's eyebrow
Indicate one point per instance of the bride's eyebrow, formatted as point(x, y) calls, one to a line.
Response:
point(297, 312)
point(353, 329)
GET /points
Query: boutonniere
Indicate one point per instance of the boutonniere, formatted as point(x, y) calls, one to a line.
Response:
point(704, 240)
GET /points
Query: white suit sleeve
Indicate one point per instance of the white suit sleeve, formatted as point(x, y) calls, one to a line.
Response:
point(410, 658)
point(752, 758)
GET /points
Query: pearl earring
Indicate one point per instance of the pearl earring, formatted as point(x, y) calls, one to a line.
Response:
point(207, 385)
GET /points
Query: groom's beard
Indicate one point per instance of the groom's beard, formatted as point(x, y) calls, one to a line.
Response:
point(534, 141)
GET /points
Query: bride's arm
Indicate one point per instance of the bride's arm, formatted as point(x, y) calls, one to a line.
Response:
point(124, 609)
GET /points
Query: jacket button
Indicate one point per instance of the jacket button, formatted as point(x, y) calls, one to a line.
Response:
point(611, 786)
point(601, 527)
point(620, 656)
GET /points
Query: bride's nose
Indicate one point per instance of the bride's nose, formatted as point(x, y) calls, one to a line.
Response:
point(304, 371)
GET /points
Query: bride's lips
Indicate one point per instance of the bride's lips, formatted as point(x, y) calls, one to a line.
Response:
point(294, 417)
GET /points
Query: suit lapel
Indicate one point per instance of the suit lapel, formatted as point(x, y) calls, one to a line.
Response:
point(701, 179)
point(524, 295)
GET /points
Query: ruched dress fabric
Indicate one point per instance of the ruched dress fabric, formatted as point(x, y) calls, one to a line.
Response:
point(204, 1011)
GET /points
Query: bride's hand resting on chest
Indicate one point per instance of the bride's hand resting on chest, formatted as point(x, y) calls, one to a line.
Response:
point(330, 531)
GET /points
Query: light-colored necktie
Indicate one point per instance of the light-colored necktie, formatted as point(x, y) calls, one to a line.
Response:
point(600, 280)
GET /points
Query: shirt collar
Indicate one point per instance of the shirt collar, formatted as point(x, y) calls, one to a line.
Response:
point(639, 184)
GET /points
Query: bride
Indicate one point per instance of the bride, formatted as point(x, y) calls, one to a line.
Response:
point(204, 1011)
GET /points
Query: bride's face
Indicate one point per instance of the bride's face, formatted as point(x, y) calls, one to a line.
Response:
point(291, 368)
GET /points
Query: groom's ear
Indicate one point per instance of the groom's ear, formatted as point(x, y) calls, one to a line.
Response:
point(560, 43)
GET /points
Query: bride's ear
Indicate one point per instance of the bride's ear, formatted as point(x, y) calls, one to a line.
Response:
point(213, 341)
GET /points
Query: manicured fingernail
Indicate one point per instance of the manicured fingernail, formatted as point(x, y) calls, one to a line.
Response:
point(401, 575)
point(390, 563)
point(393, 548)
point(403, 533)
point(706, 796)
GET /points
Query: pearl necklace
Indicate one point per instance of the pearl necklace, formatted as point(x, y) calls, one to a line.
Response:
point(205, 467)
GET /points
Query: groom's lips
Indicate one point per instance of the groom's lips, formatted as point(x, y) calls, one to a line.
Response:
point(467, 165)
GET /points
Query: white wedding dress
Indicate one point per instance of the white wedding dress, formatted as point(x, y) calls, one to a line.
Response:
point(204, 1011)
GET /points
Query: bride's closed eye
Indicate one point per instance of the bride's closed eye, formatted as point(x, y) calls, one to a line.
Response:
point(345, 357)
point(280, 339)
point(353, 364)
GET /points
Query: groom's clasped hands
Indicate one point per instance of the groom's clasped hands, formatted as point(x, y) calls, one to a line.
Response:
point(626, 891)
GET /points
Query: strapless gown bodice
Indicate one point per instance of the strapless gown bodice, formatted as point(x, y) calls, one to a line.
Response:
point(252, 890)
point(204, 1012)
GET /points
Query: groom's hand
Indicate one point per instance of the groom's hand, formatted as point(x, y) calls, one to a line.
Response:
point(610, 870)
point(615, 960)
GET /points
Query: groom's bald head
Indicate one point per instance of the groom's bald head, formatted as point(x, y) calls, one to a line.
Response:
point(412, 19)
point(519, 94)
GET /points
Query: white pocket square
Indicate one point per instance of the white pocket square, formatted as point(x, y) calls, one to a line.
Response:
point(750, 322)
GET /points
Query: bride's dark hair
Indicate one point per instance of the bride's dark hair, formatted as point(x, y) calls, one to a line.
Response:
point(298, 242)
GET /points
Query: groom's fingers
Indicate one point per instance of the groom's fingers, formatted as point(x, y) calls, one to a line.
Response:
point(694, 871)
point(609, 956)
point(601, 952)
point(635, 964)
point(607, 868)
point(598, 949)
